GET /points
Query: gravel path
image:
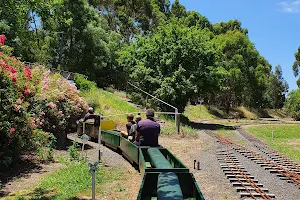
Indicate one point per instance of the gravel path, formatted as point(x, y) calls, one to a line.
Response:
point(210, 178)
point(282, 189)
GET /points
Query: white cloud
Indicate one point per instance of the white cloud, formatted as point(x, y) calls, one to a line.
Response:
point(290, 6)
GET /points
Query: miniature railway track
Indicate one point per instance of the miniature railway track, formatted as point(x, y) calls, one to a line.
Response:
point(284, 174)
point(277, 157)
point(240, 179)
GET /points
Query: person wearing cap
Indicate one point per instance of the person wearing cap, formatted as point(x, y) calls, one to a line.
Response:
point(148, 130)
point(90, 112)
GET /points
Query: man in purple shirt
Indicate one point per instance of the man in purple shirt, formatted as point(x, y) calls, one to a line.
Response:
point(148, 130)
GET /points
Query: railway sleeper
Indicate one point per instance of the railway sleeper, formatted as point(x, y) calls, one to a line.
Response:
point(255, 194)
point(242, 180)
point(232, 166)
point(240, 189)
point(238, 184)
point(238, 175)
point(235, 171)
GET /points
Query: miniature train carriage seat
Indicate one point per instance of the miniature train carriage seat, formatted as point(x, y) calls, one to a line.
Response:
point(92, 124)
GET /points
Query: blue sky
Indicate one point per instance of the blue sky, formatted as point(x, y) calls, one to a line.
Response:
point(273, 26)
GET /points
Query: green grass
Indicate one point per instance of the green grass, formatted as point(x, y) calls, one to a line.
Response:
point(108, 103)
point(286, 138)
point(198, 112)
point(68, 182)
point(185, 131)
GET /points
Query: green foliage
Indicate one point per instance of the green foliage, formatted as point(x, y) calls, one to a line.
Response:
point(172, 64)
point(46, 144)
point(108, 103)
point(83, 84)
point(186, 131)
point(175, 54)
point(73, 151)
point(32, 99)
point(296, 65)
point(286, 138)
point(292, 104)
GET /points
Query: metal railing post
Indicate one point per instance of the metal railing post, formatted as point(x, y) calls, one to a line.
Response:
point(99, 142)
point(177, 120)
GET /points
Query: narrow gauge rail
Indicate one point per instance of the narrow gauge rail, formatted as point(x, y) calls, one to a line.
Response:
point(270, 165)
point(245, 184)
point(277, 157)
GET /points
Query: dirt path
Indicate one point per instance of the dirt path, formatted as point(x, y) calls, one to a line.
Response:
point(31, 172)
point(28, 179)
point(210, 178)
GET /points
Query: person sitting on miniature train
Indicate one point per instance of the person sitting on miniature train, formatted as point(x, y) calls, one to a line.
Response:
point(88, 114)
point(147, 131)
point(132, 131)
point(129, 124)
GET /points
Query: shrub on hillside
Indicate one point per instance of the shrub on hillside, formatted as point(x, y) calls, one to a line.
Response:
point(57, 105)
point(17, 89)
point(292, 104)
point(83, 84)
point(31, 102)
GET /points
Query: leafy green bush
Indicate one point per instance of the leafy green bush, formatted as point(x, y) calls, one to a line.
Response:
point(73, 151)
point(292, 104)
point(57, 105)
point(32, 99)
point(83, 84)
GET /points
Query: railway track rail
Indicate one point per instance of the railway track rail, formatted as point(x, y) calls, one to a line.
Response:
point(240, 179)
point(274, 155)
point(283, 173)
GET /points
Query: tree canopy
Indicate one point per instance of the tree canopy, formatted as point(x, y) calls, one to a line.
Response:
point(175, 54)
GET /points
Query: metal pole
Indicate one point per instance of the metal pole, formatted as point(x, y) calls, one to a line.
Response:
point(93, 170)
point(93, 186)
point(99, 142)
point(177, 120)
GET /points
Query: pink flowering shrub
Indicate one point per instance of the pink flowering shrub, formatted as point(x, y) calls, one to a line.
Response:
point(16, 92)
point(57, 104)
point(32, 100)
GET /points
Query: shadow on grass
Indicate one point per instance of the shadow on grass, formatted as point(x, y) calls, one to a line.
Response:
point(21, 168)
point(43, 194)
point(204, 126)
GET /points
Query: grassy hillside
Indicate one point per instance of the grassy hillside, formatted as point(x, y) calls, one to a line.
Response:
point(108, 103)
point(286, 138)
point(204, 112)
point(197, 112)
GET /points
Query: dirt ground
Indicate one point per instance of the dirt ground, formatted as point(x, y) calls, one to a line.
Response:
point(210, 178)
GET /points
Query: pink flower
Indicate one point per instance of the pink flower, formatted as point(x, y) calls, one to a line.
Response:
point(43, 96)
point(45, 87)
point(51, 105)
point(58, 81)
point(42, 113)
point(17, 107)
point(14, 79)
point(19, 101)
point(60, 113)
point(2, 39)
point(28, 72)
point(12, 129)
